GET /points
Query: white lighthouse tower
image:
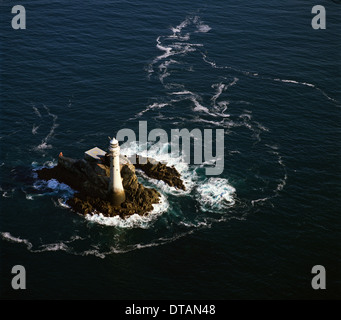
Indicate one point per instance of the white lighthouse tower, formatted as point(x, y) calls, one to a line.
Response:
point(116, 191)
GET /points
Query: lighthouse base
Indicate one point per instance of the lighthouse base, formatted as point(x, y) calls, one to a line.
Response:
point(116, 198)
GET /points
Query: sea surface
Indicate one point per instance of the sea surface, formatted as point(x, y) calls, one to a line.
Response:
point(83, 70)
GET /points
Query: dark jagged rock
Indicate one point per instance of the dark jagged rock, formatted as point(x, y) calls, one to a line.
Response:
point(91, 180)
point(160, 171)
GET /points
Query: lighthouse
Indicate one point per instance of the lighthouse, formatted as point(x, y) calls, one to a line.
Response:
point(116, 191)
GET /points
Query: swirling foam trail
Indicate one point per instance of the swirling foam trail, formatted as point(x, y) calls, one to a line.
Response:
point(43, 145)
point(153, 106)
point(58, 246)
point(308, 85)
point(35, 129)
point(37, 111)
point(177, 48)
point(256, 75)
point(282, 182)
point(7, 236)
point(96, 251)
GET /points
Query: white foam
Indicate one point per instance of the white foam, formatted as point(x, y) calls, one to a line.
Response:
point(282, 183)
point(256, 75)
point(167, 63)
point(150, 107)
point(48, 247)
point(96, 253)
point(245, 116)
point(53, 247)
point(204, 28)
point(187, 179)
point(295, 82)
point(211, 112)
point(55, 185)
point(61, 203)
point(176, 48)
point(197, 224)
point(35, 129)
point(36, 111)
point(29, 197)
point(7, 236)
point(157, 242)
point(50, 163)
point(7, 193)
point(179, 27)
point(163, 154)
point(261, 127)
point(198, 106)
point(163, 68)
point(60, 246)
point(261, 200)
point(216, 123)
point(162, 48)
point(184, 92)
point(200, 26)
point(44, 145)
point(135, 220)
point(188, 176)
point(163, 76)
point(95, 249)
point(167, 52)
point(211, 63)
point(220, 87)
point(216, 194)
point(273, 147)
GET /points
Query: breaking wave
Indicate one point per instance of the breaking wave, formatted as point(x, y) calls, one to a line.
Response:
point(135, 220)
point(188, 174)
point(216, 195)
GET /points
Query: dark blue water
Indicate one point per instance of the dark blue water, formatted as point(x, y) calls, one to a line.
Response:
point(83, 70)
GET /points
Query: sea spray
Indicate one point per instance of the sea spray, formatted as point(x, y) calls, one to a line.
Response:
point(216, 195)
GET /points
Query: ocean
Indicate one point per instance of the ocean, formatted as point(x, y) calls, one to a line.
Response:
point(83, 70)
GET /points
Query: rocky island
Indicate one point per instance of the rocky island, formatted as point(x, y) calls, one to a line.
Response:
point(107, 183)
